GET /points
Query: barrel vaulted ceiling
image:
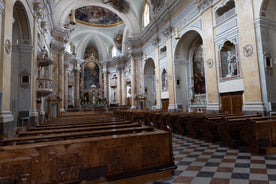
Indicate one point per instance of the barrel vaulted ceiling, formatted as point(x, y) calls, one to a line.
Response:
point(103, 34)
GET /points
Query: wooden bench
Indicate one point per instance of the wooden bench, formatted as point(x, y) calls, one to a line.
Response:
point(117, 157)
point(62, 126)
point(77, 129)
point(73, 135)
point(230, 130)
point(260, 135)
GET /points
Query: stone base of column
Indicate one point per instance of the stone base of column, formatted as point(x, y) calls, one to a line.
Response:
point(35, 116)
point(156, 107)
point(7, 124)
point(41, 116)
point(172, 107)
point(212, 107)
point(254, 107)
point(62, 109)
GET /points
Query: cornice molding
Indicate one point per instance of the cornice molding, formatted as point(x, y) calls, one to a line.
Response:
point(136, 54)
point(57, 47)
point(61, 35)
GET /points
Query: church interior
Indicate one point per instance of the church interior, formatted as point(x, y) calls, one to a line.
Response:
point(137, 91)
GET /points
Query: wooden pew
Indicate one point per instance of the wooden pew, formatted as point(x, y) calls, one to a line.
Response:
point(76, 129)
point(62, 126)
point(179, 126)
point(78, 122)
point(230, 130)
point(118, 157)
point(73, 135)
point(260, 135)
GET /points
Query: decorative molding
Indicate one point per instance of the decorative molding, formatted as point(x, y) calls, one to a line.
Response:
point(210, 62)
point(155, 41)
point(8, 46)
point(167, 31)
point(247, 50)
point(203, 4)
point(38, 11)
point(61, 35)
point(25, 79)
point(57, 47)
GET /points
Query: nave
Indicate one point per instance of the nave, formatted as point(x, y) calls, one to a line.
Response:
point(200, 162)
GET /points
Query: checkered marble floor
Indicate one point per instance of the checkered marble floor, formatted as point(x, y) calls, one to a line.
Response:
point(200, 162)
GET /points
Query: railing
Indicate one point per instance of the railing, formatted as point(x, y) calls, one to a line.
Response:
point(45, 86)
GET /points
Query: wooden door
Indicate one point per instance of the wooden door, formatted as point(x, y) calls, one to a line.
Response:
point(165, 105)
point(232, 102)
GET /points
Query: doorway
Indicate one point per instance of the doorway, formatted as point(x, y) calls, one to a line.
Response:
point(231, 102)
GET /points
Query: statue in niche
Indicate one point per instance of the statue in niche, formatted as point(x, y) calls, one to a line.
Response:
point(232, 64)
point(229, 62)
point(164, 80)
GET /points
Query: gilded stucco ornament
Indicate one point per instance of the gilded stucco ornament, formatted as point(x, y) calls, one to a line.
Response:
point(247, 50)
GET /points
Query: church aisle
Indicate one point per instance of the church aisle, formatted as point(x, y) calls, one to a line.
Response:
point(199, 162)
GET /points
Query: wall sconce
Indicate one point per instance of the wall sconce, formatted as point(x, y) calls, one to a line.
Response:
point(176, 34)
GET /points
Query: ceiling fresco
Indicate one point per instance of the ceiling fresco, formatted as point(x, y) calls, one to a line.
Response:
point(97, 16)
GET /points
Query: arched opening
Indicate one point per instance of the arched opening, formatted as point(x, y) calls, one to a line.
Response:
point(149, 84)
point(190, 73)
point(21, 63)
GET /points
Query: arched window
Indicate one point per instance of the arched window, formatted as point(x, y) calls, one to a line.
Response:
point(146, 15)
point(225, 12)
point(113, 52)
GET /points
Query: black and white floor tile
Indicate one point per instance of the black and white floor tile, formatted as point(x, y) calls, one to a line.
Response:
point(200, 162)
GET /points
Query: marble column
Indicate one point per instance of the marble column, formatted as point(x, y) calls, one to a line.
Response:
point(66, 82)
point(119, 82)
point(77, 86)
point(171, 76)
point(106, 81)
point(61, 79)
point(6, 19)
point(158, 79)
point(133, 83)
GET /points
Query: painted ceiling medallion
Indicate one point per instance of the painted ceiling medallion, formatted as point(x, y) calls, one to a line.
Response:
point(97, 16)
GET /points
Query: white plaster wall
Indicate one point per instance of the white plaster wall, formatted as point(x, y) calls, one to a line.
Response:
point(231, 86)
